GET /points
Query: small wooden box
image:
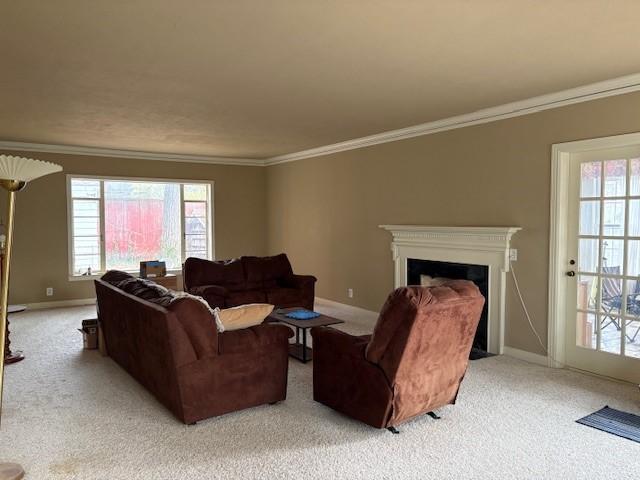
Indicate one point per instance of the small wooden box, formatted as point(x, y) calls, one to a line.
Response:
point(168, 281)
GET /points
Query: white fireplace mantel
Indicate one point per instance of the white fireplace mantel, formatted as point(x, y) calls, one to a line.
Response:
point(469, 245)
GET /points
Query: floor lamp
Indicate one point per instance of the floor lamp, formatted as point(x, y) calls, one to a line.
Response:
point(15, 172)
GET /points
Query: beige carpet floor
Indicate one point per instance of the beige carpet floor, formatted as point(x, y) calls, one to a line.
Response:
point(72, 414)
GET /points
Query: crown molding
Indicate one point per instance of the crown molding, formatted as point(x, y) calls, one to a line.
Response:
point(585, 93)
point(109, 152)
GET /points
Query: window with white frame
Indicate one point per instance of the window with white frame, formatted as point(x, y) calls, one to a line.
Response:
point(115, 223)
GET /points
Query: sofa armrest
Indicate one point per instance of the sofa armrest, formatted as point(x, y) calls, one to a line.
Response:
point(199, 325)
point(298, 281)
point(202, 290)
point(214, 294)
point(339, 342)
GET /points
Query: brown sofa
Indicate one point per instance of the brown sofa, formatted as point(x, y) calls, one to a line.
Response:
point(229, 283)
point(178, 355)
point(412, 364)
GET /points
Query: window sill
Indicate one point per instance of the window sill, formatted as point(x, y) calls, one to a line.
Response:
point(86, 278)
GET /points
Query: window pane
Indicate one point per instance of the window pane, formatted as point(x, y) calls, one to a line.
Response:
point(86, 245)
point(142, 222)
point(202, 254)
point(85, 188)
point(615, 178)
point(634, 218)
point(632, 347)
point(86, 226)
point(612, 256)
point(195, 243)
point(587, 292)
point(195, 209)
point(590, 179)
point(586, 332)
point(633, 298)
point(633, 258)
point(635, 176)
point(86, 208)
point(613, 218)
point(588, 255)
point(611, 302)
point(195, 226)
point(195, 192)
point(610, 333)
point(82, 263)
point(590, 217)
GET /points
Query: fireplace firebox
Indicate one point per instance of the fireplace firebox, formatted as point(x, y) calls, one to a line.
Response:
point(419, 271)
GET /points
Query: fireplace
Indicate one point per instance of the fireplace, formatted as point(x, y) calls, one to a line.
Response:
point(421, 272)
point(478, 249)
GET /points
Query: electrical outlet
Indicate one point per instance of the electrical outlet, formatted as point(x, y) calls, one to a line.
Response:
point(49, 291)
point(513, 254)
point(350, 292)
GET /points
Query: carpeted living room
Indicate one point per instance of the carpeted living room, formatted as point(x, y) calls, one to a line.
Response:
point(338, 239)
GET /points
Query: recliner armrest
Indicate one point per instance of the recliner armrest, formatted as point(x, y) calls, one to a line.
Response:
point(339, 342)
point(298, 281)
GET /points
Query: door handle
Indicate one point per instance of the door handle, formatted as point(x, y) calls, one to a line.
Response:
point(571, 273)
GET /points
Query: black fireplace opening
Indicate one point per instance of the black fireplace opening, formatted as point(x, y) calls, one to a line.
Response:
point(478, 274)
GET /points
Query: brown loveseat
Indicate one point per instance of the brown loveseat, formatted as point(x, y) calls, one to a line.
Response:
point(412, 364)
point(228, 283)
point(178, 355)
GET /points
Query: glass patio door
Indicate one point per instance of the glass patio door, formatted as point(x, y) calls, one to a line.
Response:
point(603, 274)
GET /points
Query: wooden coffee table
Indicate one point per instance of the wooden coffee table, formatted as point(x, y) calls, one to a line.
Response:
point(299, 350)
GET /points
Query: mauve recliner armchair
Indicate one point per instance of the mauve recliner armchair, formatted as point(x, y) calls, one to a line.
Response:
point(412, 364)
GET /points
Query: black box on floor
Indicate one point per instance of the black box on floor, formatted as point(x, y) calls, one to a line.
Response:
point(89, 332)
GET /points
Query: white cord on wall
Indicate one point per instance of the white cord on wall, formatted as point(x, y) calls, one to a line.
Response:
point(524, 307)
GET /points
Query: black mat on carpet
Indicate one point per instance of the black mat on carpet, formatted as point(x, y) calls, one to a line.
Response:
point(610, 420)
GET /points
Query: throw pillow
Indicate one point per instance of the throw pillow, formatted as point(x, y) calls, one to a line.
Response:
point(243, 316)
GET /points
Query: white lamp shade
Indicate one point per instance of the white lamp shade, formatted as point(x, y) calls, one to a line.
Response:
point(25, 169)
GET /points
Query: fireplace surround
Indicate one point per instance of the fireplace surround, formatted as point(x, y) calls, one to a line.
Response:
point(426, 272)
point(482, 246)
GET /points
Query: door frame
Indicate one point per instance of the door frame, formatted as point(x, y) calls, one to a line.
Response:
point(558, 234)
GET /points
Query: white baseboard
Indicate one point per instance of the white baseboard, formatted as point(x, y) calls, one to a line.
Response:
point(61, 303)
point(353, 309)
point(526, 356)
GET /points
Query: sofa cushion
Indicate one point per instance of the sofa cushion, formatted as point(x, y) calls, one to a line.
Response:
point(248, 296)
point(284, 297)
point(251, 339)
point(227, 273)
point(264, 272)
point(242, 316)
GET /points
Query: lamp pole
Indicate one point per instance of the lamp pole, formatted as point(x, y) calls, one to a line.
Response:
point(15, 172)
point(12, 186)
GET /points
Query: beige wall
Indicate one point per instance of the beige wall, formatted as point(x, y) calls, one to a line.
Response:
point(324, 212)
point(40, 256)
